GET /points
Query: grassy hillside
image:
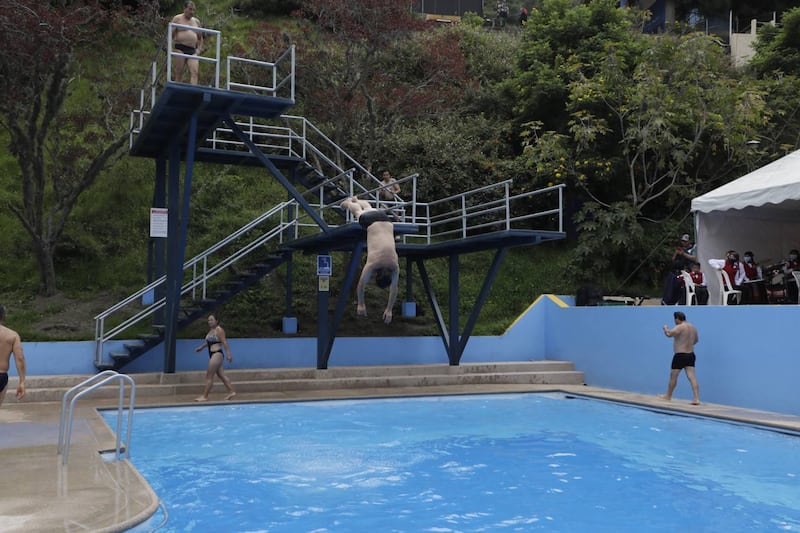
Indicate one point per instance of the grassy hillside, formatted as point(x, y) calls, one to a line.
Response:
point(103, 256)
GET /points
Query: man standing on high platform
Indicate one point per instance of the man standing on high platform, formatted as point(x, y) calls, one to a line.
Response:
point(381, 253)
point(187, 42)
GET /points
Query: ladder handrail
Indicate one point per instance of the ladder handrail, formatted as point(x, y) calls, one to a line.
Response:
point(194, 260)
point(198, 280)
point(82, 389)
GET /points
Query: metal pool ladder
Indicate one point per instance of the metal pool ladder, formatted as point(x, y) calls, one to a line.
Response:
point(84, 388)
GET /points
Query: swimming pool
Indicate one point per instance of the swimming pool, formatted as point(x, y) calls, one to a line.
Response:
point(509, 462)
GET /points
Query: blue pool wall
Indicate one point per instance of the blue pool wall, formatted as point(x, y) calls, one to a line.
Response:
point(747, 355)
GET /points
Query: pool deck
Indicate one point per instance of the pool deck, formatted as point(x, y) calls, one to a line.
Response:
point(93, 494)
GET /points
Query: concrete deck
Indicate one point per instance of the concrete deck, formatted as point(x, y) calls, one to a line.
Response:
point(91, 494)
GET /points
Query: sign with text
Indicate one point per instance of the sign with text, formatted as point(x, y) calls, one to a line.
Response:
point(324, 265)
point(158, 221)
point(324, 283)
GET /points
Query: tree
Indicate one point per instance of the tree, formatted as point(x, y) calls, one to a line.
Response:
point(373, 68)
point(55, 145)
point(639, 124)
point(778, 48)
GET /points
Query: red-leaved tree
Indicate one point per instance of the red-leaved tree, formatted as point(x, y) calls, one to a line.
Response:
point(59, 151)
point(368, 66)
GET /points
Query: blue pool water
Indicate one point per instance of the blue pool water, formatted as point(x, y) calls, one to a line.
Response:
point(511, 462)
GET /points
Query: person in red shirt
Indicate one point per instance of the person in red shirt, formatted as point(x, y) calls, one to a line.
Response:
point(699, 280)
point(753, 286)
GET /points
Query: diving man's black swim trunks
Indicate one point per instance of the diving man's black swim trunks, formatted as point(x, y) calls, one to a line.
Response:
point(368, 218)
point(3, 381)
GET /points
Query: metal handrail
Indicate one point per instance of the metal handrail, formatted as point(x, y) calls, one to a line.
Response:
point(273, 66)
point(201, 273)
point(455, 217)
point(82, 389)
point(171, 52)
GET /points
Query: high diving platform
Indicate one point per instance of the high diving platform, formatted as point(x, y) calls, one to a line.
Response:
point(225, 121)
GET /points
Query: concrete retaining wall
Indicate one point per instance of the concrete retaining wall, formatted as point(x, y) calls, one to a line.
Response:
point(747, 355)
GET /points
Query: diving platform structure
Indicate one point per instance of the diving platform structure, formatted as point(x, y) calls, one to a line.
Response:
point(239, 118)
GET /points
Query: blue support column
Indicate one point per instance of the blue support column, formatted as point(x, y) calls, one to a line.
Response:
point(322, 324)
point(437, 312)
point(178, 226)
point(482, 295)
point(409, 305)
point(171, 304)
point(158, 266)
point(344, 296)
point(453, 343)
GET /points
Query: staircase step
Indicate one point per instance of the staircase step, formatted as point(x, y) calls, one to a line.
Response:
point(53, 388)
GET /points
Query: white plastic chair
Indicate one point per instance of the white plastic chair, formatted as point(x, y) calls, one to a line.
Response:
point(726, 288)
point(688, 283)
point(796, 275)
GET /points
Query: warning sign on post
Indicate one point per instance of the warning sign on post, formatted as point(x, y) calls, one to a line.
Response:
point(324, 265)
point(158, 222)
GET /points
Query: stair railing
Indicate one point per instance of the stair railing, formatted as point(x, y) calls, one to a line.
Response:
point(488, 208)
point(201, 273)
point(82, 389)
point(206, 32)
point(285, 141)
point(273, 68)
point(161, 73)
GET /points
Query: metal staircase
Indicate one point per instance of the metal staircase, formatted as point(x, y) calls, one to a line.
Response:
point(315, 171)
point(210, 279)
point(243, 123)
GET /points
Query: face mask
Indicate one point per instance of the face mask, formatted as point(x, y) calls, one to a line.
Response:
point(792, 257)
point(748, 259)
point(731, 260)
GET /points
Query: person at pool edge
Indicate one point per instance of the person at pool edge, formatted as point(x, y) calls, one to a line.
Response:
point(684, 337)
point(215, 341)
point(10, 344)
point(382, 258)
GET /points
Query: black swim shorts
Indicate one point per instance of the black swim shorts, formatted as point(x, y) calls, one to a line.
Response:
point(188, 50)
point(3, 381)
point(682, 360)
point(368, 218)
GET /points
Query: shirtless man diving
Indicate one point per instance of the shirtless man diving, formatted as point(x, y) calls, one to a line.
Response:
point(382, 258)
point(10, 344)
point(187, 42)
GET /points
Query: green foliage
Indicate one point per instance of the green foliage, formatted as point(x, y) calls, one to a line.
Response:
point(777, 49)
point(263, 8)
point(635, 124)
point(472, 20)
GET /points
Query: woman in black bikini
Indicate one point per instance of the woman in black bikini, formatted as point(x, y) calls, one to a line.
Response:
point(215, 341)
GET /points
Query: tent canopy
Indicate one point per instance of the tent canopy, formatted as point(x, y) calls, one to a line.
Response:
point(774, 183)
point(759, 212)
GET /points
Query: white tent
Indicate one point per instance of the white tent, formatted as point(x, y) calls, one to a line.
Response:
point(759, 212)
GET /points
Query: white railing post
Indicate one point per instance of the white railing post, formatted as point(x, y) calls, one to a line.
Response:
point(169, 54)
point(153, 82)
point(463, 216)
point(508, 206)
point(216, 63)
point(293, 66)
